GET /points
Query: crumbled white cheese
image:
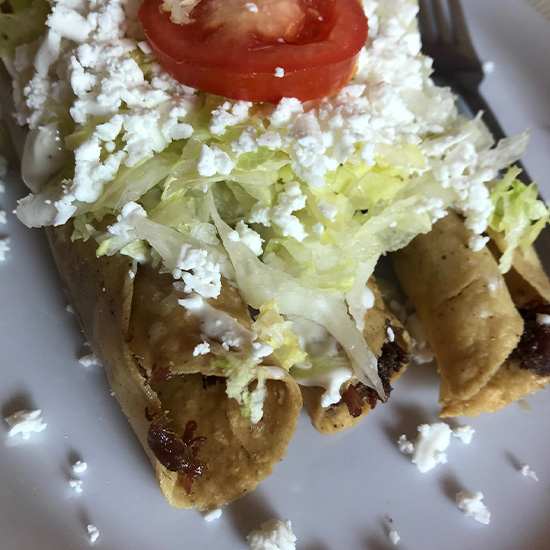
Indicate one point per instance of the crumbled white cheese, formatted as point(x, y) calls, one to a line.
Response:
point(228, 114)
point(212, 515)
point(432, 441)
point(247, 141)
point(271, 140)
point(285, 111)
point(543, 319)
point(201, 349)
point(279, 72)
point(89, 360)
point(126, 220)
point(404, 445)
point(488, 67)
point(289, 201)
point(250, 6)
point(76, 484)
point(527, 472)
point(199, 273)
point(390, 335)
point(393, 536)
point(471, 504)
point(80, 466)
point(244, 234)
point(272, 535)
point(93, 533)
point(430, 445)
point(68, 23)
point(477, 242)
point(4, 248)
point(212, 161)
point(179, 9)
point(261, 350)
point(464, 433)
point(25, 422)
point(145, 47)
point(327, 210)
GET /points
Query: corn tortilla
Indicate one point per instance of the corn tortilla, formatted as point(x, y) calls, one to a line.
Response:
point(337, 417)
point(237, 453)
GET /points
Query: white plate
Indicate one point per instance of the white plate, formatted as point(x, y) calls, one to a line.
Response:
point(339, 491)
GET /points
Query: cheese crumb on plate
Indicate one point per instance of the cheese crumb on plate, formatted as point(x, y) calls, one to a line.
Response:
point(471, 504)
point(80, 466)
point(527, 472)
point(76, 484)
point(272, 535)
point(93, 533)
point(432, 441)
point(212, 515)
point(393, 536)
point(25, 422)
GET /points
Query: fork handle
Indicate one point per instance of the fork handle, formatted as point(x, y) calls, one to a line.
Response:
point(477, 103)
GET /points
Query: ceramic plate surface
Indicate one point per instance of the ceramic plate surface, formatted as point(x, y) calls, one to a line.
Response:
point(341, 492)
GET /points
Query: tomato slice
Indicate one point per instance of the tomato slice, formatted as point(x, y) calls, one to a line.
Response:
point(260, 50)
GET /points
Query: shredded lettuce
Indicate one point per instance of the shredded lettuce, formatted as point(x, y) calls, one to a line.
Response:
point(518, 214)
point(272, 328)
point(241, 371)
point(327, 309)
point(23, 25)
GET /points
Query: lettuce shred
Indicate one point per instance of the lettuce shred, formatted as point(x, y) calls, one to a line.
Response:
point(22, 22)
point(518, 214)
point(276, 332)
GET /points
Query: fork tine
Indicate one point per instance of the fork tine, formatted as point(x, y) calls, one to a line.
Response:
point(426, 25)
point(445, 31)
point(460, 27)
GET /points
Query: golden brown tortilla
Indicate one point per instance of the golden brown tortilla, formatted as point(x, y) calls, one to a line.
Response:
point(133, 323)
point(470, 313)
point(337, 417)
point(509, 384)
point(462, 300)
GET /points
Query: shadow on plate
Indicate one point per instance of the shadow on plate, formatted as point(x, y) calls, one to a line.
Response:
point(450, 486)
point(21, 400)
point(249, 512)
point(405, 420)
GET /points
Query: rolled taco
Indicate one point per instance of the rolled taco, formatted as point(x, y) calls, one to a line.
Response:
point(205, 452)
point(482, 324)
point(334, 398)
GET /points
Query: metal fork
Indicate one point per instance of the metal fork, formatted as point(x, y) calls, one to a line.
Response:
point(445, 38)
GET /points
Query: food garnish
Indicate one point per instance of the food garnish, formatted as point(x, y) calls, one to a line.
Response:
point(259, 51)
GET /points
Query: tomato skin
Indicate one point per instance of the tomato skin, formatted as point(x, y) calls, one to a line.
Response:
point(239, 68)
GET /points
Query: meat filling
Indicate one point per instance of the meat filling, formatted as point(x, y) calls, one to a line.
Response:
point(174, 452)
point(533, 350)
point(392, 358)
